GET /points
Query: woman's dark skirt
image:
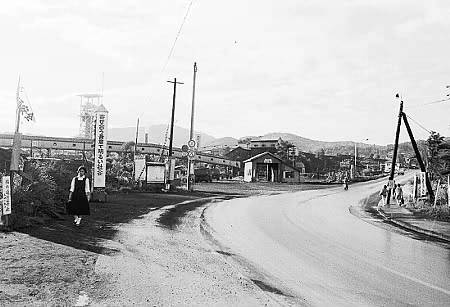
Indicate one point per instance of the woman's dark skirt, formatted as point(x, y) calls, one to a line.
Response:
point(79, 205)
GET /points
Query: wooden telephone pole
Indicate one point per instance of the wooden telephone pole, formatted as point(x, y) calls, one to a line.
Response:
point(190, 170)
point(402, 116)
point(171, 126)
point(15, 152)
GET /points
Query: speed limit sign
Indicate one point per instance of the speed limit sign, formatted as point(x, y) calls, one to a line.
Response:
point(191, 143)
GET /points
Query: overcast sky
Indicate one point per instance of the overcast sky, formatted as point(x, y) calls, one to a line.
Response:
point(326, 70)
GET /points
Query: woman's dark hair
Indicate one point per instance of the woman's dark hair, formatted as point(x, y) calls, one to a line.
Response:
point(82, 167)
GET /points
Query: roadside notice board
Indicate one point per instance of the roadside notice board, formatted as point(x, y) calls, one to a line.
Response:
point(156, 172)
point(6, 196)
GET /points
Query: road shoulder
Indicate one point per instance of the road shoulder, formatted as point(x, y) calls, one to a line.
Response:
point(173, 266)
point(371, 210)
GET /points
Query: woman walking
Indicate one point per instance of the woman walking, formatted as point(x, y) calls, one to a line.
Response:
point(383, 194)
point(399, 195)
point(79, 196)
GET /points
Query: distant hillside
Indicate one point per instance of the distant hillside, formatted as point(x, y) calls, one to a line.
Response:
point(156, 134)
point(308, 145)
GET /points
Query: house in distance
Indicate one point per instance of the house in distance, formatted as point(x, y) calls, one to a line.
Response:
point(268, 167)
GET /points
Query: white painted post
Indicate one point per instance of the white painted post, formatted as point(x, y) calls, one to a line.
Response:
point(437, 193)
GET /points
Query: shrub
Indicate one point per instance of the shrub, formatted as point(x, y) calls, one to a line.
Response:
point(44, 193)
point(440, 213)
point(34, 197)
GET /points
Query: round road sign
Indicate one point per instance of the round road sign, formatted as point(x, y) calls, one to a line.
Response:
point(185, 148)
point(191, 143)
point(191, 154)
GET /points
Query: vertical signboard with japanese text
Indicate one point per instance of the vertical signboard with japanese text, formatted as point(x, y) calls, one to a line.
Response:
point(6, 193)
point(101, 128)
point(423, 184)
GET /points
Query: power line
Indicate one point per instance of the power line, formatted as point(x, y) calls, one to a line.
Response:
point(417, 123)
point(172, 49)
point(429, 103)
point(177, 36)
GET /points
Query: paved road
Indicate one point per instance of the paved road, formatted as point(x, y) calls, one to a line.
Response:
point(308, 245)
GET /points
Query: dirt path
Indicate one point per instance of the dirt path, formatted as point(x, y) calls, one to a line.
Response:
point(54, 264)
point(158, 266)
point(60, 264)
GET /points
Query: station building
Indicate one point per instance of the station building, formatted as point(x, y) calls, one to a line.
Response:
point(267, 167)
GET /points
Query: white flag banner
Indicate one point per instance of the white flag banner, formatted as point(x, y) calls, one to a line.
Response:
point(6, 191)
point(101, 128)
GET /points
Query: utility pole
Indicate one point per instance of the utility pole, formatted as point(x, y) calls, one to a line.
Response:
point(15, 152)
point(419, 158)
point(135, 149)
point(171, 126)
point(190, 170)
point(394, 156)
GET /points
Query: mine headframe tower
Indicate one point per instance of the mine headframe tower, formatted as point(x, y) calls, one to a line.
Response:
point(88, 106)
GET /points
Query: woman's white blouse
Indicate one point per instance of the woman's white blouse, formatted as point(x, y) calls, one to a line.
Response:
point(86, 187)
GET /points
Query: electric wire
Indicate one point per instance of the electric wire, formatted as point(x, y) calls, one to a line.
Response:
point(169, 57)
point(417, 123)
point(429, 103)
point(177, 36)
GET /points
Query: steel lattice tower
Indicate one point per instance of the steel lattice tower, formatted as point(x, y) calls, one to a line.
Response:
point(88, 105)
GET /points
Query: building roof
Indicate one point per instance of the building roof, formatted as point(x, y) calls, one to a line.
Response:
point(254, 141)
point(262, 154)
point(240, 147)
point(300, 164)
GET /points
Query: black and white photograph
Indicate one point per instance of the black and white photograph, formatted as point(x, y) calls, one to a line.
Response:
point(224, 153)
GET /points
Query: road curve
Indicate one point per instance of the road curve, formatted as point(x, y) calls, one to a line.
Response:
point(310, 245)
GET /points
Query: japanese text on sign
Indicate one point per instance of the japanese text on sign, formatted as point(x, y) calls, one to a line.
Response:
point(6, 190)
point(100, 149)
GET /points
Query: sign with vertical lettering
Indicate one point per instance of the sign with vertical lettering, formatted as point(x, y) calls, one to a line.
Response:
point(101, 128)
point(423, 184)
point(6, 191)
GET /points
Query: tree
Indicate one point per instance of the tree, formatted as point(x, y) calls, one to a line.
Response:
point(436, 164)
point(119, 168)
point(283, 148)
point(245, 141)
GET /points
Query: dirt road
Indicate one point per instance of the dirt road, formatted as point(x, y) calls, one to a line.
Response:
point(135, 248)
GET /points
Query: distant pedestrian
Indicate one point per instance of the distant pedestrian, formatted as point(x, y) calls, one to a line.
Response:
point(383, 194)
point(79, 196)
point(399, 195)
point(345, 183)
